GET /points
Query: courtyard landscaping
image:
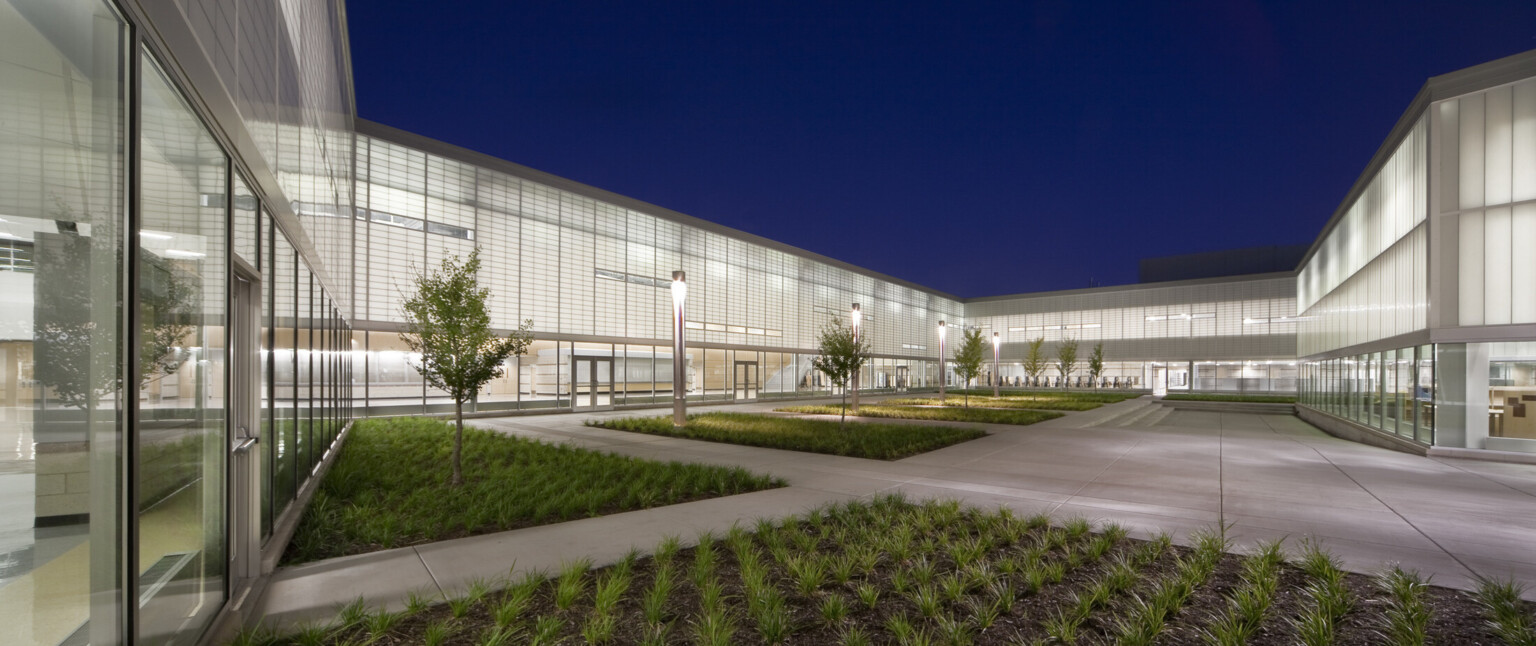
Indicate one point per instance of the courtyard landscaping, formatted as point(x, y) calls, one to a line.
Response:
point(856, 439)
point(1245, 399)
point(889, 571)
point(1030, 402)
point(889, 409)
point(390, 487)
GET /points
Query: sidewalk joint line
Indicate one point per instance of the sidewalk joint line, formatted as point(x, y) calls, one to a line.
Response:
point(438, 584)
point(1389, 507)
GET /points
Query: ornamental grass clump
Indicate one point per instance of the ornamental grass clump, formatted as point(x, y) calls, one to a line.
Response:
point(1505, 612)
point(970, 577)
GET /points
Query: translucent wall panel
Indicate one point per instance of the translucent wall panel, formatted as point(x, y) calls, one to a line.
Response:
point(1495, 281)
point(1392, 203)
point(575, 265)
point(1386, 298)
point(1488, 155)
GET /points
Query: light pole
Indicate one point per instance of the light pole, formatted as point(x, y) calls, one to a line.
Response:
point(679, 367)
point(858, 318)
point(997, 344)
point(941, 363)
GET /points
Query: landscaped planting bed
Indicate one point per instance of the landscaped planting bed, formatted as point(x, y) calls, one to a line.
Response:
point(893, 572)
point(947, 414)
point(389, 487)
point(855, 439)
point(1246, 399)
point(988, 401)
point(1107, 396)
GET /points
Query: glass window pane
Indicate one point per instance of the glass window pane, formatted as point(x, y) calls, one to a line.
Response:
point(181, 302)
point(284, 374)
point(265, 342)
point(61, 245)
point(243, 223)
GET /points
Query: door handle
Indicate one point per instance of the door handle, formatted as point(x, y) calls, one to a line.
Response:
point(245, 445)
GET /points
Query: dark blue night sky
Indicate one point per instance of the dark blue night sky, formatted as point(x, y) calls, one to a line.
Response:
point(975, 148)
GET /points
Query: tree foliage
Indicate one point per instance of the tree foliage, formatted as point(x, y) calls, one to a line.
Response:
point(78, 357)
point(840, 357)
point(448, 323)
point(1096, 363)
point(1066, 360)
point(1034, 360)
point(969, 357)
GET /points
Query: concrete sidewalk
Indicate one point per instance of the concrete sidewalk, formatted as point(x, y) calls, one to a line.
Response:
point(1263, 476)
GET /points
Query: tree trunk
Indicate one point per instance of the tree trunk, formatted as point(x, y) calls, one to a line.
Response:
point(458, 441)
point(843, 416)
point(854, 406)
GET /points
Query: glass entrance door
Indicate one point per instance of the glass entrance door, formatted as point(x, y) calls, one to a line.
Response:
point(902, 379)
point(244, 476)
point(591, 383)
point(1159, 381)
point(746, 381)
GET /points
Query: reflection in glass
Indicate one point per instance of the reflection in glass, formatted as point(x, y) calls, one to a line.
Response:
point(61, 245)
point(181, 367)
point(268, 442)
point(304, 319)
point(284, 413)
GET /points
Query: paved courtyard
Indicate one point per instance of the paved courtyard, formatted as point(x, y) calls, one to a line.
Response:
point(1136, 463)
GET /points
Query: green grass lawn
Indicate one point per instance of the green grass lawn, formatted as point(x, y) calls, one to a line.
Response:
point(389, 487)
point(1247, 399)
point(1099, 396)
point(988, 401)
point(888, 571)
point(947, 414)
point(858, 439)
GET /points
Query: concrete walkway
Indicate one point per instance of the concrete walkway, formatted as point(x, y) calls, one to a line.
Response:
point(1263, 476)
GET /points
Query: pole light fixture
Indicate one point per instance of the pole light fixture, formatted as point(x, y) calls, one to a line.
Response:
point(941, 363)
point(997, 345)
point(679, 357)
point(858, 319)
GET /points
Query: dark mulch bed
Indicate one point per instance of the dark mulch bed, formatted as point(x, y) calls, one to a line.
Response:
point(935, 533)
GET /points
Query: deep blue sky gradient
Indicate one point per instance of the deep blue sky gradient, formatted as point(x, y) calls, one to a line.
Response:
point(978, 148)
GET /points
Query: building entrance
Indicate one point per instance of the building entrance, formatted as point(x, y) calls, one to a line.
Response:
point(902, 379)
point(746, 381)
point(244, 502)
point(591, 383)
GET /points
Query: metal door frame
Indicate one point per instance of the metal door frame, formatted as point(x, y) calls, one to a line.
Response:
point(243, 469)
point(592, 383)
point(754, 381)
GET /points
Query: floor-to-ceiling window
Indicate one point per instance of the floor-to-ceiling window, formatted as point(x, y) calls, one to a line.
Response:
point(180, 371)
point(62, 245)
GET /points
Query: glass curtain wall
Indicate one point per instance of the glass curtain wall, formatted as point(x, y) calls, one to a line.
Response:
point(70, 381)
point(180, 371)
point(1391, 391)
point(62, 249)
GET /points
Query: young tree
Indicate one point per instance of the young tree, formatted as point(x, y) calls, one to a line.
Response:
point(1066, 360)
point(1034, 360)
point(841, 358)
point(448, 323)
point(968, 358)
point(1096, 363)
